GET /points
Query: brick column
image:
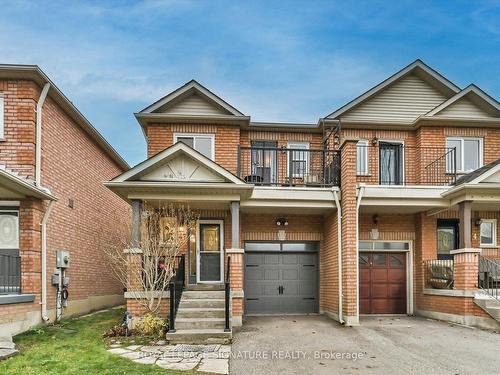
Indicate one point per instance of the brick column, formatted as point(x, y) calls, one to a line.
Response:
point(236, 273)
point(465, 268)
point(349, 235)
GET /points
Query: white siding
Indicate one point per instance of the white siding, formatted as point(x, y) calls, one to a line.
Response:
point(463, 108)
point(192, 105)
point(403, 101)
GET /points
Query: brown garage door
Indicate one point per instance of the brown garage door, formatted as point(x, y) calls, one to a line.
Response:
point(382, 283)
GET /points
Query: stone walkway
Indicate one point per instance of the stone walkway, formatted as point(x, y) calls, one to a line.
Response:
point(204, 358)
point(7, 347)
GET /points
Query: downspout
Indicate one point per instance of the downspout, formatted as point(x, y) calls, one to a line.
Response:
point(38, 145)
point(45, 219)
point(358, 203)
point(339, 261)
point(38, 182)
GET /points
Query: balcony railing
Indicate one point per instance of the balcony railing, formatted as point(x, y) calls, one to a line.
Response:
point(10, 274)
point(388, 163)
point(289, 167)
point(438, 274)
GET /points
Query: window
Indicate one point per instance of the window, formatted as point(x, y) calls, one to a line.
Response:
point(469, 154)
point(1, 116)
point(9, 231)
point(298, 160)
point(488, 232)
point(362, 158)
point(203, 143)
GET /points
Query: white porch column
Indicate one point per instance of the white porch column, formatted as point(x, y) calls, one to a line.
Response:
point(136, 222)
point(235, 225)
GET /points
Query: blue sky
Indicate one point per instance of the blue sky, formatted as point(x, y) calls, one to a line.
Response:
point(273, 60)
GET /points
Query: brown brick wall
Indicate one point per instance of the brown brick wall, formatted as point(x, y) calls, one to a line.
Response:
point(328, 268)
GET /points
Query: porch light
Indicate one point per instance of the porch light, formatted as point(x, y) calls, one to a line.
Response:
point(478, 222)
point(281, 221)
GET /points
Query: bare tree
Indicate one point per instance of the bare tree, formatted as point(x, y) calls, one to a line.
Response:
point(164, 233)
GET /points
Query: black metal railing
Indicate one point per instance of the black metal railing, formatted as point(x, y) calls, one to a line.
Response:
point(289, 166)
point(176, 287)
point(489, 276)
point(10, 274)
point(438, 274)
point(227, 294)
point(389, 163)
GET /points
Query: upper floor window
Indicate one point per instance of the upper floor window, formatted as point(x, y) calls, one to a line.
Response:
point(488, 229)
point(1, 116)
point(298, 160)
point(362, 157)
point(468, 154)
point(203, 143)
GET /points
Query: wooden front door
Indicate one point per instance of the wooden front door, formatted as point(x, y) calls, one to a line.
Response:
point(382, 283)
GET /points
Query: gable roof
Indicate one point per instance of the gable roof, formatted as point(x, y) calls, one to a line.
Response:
point(192, 88)
point(470, 91)
point(443, 83)
point(34, 73)
point(479, 174)
point(169, 153)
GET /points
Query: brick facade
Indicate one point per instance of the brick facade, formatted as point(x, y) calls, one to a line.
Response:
point(73, 168)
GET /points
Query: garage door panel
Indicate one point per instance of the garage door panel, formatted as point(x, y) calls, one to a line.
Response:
point(297, 272)
point(382, 288)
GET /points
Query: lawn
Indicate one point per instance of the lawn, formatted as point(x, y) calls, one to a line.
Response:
point(75, 346)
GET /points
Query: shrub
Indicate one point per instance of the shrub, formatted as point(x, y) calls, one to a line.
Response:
point(150, 325)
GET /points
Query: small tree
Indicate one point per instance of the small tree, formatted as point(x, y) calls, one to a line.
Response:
point(164, 232)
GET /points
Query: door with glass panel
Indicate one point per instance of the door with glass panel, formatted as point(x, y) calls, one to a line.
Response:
point(210, 251)
point(264, 161)
point(390, 163)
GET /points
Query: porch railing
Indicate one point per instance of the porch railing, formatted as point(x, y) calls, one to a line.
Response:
point(176, 287)
point(10, 274)
point(438, 274)
point(227, 294)
point(289, 166)
point(489, 276)
point(388, 163)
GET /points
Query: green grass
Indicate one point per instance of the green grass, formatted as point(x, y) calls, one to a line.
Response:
point(75, 346)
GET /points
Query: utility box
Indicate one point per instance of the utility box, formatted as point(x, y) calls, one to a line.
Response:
point(62, 259)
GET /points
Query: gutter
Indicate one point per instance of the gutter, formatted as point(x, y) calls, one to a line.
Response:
point(43, 224)
point(38, 145)
point(339, 261)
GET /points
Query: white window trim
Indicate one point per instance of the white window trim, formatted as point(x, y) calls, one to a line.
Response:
point(2, 116)
point(493, 233)
point(293, 145)
point(364, 144)
point(194, 136)
point(221, 244)
point(462, 154)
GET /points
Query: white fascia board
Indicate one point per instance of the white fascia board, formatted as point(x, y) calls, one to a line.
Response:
point(471, 186)
point(402, 192)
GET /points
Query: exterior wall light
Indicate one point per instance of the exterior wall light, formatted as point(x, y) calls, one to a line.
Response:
point(281, 221)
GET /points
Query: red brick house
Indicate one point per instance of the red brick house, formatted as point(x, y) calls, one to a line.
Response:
point(389, 205)
point(52, 166)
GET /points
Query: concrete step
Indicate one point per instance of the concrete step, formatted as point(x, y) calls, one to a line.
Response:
point(199, 336)
point(200, 312)
point(201, 303)
point(490, 305)
point(199, 323)
point(203, 294)
point(205, 287)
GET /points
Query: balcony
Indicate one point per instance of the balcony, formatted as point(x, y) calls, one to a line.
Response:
point(391, 163)
point(270, 166)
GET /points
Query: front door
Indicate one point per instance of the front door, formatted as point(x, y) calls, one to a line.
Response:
point(210, 249)
point(447, 238)
point(390, 163)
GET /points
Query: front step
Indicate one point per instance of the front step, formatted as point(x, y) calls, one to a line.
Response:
point(205, 287)
point(201, 303)
point(490, 305)
point(199, 323)
point(201, 312)
point(203, 294)
point(199, 336)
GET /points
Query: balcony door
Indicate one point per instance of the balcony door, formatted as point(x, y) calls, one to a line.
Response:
point(390, 163)
point(264, 162)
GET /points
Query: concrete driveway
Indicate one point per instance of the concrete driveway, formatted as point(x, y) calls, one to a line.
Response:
point(318, 345)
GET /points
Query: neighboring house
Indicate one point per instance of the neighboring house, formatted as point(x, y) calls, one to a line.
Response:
point(380, 176)
point(53, 163)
